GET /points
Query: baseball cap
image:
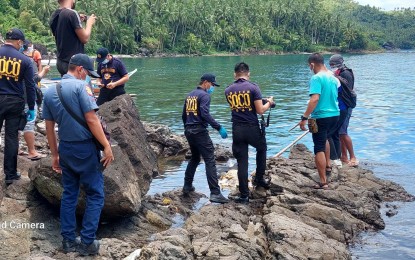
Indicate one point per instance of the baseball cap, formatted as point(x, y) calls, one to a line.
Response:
point(336, 61)
point(15, 34)
point(83, 60)
point(209, 77)
point(101, 54)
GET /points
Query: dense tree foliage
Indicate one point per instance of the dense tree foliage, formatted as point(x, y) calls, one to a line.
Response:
point(208, 26)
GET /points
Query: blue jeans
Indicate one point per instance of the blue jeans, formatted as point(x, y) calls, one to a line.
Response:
point(11, 109)
point(80, 166)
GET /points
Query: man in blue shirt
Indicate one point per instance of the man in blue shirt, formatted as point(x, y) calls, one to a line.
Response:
point(245, 101)
point(78, 159)
point(113, 75)
point(196, 118)
point(323, 107)
point(16, 76)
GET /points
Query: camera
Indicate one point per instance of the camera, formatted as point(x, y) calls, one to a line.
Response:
point(264, 101)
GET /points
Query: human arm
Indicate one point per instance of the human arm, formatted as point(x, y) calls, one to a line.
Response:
point(30, 85)
point(85, 34)
point(53, 145)
point(44, 71)
point(119, 82)
point(262, 108)
point(37, 57)
point(310, 108)
point(204, 107)
point(96, 129)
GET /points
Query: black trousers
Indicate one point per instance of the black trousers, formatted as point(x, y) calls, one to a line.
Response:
point(11, 109)
point(244, 135)
point(62, 66)
point(106, 94)
point(201, 145)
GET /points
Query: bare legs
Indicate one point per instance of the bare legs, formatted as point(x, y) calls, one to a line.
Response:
point(347, 148)
point(30, 141)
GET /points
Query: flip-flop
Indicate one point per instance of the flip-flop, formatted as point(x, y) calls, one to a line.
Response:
point(321, 186)
point(21, 153)
point(35, 158)
point(353, 163)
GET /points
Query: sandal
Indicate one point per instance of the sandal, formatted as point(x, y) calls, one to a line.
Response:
point(321, 186)
point(328, 171)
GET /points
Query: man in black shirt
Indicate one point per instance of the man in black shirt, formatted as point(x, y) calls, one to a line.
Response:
point(196, 118)
point(70, 36)
point(16, 73)
point(245, 100)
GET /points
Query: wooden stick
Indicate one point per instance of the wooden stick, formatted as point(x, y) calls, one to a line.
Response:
point(291, 144)
point(294, 127)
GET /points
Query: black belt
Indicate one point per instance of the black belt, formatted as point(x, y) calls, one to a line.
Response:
point(194, 126)
point(245, 124)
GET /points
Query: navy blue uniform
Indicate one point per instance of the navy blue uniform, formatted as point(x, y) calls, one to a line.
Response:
point(196, 118)
point(245, 130)
point(113, 71)
point(78, 157)
point(16, 76)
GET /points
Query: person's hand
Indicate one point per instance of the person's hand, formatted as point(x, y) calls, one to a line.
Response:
point(31, 115)
point(107, 159)
point(83, 17)
point(100, 85)
point(223, 133)
point(45, 69)
point(303, 124)
point(55, 164)
point(91, 20)
point(111, 85)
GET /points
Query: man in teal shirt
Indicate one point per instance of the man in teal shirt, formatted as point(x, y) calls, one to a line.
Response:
point(322, 106)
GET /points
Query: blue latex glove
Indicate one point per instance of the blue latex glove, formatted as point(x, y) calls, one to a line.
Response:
point(31, 115)
point(223, 133)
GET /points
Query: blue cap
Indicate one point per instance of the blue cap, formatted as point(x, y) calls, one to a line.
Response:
point(83, 60)
point(209, 77)
point(15, 34)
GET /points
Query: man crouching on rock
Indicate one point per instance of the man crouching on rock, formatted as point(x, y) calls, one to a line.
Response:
point(78, 159)
point(196, 118)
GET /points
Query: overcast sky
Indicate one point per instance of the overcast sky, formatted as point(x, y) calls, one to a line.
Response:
point(388, 4)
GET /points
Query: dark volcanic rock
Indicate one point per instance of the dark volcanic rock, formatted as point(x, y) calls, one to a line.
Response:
point(290, 221)
point(128, 178)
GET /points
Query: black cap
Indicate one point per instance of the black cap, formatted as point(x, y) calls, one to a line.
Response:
point(209, 77)
point(83, 60)
point(336, 61)
point(101, 54)
point(15, 34)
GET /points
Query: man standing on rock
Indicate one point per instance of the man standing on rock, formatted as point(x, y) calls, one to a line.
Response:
point(78, 159)
point(245, 100)
point(16, 79)
point(113, 76)
point(196, 118)
point(70, 36)
point(323, 107)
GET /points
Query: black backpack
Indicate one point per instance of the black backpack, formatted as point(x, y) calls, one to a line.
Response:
point(348, 95)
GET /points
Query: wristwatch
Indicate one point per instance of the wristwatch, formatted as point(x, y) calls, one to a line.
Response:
point(303, 118)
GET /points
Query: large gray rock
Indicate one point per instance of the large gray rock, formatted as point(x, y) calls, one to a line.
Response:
point(128, 178)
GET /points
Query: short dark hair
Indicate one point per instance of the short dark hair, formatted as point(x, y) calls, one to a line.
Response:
point(72, 67)
point(316, 58)
point(241, 68)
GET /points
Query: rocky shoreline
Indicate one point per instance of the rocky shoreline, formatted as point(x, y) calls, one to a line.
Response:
point(290, 221)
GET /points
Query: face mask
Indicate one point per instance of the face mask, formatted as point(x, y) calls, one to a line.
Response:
point(105, 61)
point(21, 49)
point(88, 80)
point(210, 90)
point(30, 49)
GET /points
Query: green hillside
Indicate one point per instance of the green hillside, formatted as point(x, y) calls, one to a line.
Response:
point(210, 26)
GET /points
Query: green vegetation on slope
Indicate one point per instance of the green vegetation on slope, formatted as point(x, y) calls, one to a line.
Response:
point(209, 26)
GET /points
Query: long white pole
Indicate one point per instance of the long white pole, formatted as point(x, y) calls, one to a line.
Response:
point(291, 144)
